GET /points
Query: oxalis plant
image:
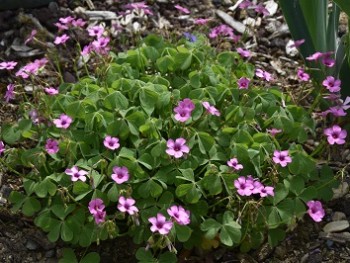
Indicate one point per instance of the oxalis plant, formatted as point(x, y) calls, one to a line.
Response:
point(169, 144)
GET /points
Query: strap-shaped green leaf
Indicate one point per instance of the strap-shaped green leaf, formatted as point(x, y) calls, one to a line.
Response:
point(344, 5)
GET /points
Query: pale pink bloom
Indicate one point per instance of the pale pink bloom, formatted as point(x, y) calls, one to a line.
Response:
point(2, 147)
point(78, 22)
point(316, 211)
point(127, 205)
point(332, 84)
point(337, 111)
point(100, 217)
point(335, 135)
point(31, 36)
point(100, 45)
point(315, 56)
point(245, 4)
point(51, 91)
point(160, 225)
point(332, 97)
point(182, 9)
point(297, 43)
point(263, 75)
point(201, 21)
point(266, 190)
point(86, 50)
point(243, 52)
point(96, 31)
point(61, 39)
point(328, 61)
point(177, 148)
point(61, 27)
point(256, 184)
point(184, 110)
point(345, 104)
point(244, 187)
point(179, 214)
point(223, 30)
point(76, 174)
point(260, 8)
point(120, 174)
point(281, 157)
point(63, 122)
point(273, 131)
point(187, 103)
point(10, 94)
point(243, 83)
point(140, 6)
point(66, 20)
point(302, 75)
point(96, 206)
point(234, 164)
point(210, 109)
point(8, 65)
point(111, 143)
point(51, 146)
point(31, 68)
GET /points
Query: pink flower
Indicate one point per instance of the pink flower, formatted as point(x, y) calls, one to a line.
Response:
point(96, 31)
point(76, 174)
point(61, 39)
point(127, 205)
point(111, 143)
point(315, 56)
point(100, 45)
point(210, 109)
point(297, 43)
point(8, 65)
point(140, 6)
point(223, 30)
point(245, 4)
point(78, 22)
point(66, 20)
point(244, 186)
point(345, 105)
point(31, 36)
point(51, 146)
point(31, 68)
point(234, 164)
point(9, 95)
point(273, 131)
point(63, 122)
point(177, 148)
point(160, 225)
point(328, 61)
point(302, 75)
point(281, 157)
point(2, 147)
point(332, 84)
point(337, 111)
point(243, 52)
point(201, 21)
point(243, 83)
point(120, 174)
point(61, 27)
point(316, 211)
point(266, 190)
point(182, 9)
point(335, 135)
point(179, 214)
point(96, 208)
point(263, 74)
point(86, 50)
point(51, 91)
point(184, 110)
point(261, 9)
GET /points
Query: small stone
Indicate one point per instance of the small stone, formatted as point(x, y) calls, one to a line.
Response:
point(336, 226)
point(337, 216)
point(32, 245)
point(280, 252)
point(342, 190)
point(50, 253)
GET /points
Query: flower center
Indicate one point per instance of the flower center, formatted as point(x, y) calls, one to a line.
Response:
point(159, 225)
point(335, 135)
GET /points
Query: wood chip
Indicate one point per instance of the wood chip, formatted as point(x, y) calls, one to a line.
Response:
point(336, 226)
point(238, 26)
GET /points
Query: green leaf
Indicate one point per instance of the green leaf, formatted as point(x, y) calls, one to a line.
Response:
point(92, 257)
point(281, 192)
point(76, 110)
point(45, 187)
point(144, 256)
point(344, 5)
point(296, 184)
point(275, 236)
point(230, 232)
point(68, 256)
point(183, 60)
point(211, 227)
point(148, 99)
point(54, 232)
point(167, 257)
point(301, 164)
point(308, 194)
point(10, 134)
point(165, 64)
point(113, 193)
point(62, 210)
point(150, 188)
point(116, 101)
point(183, 233)
point(80, 187)
point(212, 183)
point(205, 142)
point(146, 160)
point(66, 233)
point(30, 206)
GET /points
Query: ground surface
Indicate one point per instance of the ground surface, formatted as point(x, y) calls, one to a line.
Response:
point(20, 241)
